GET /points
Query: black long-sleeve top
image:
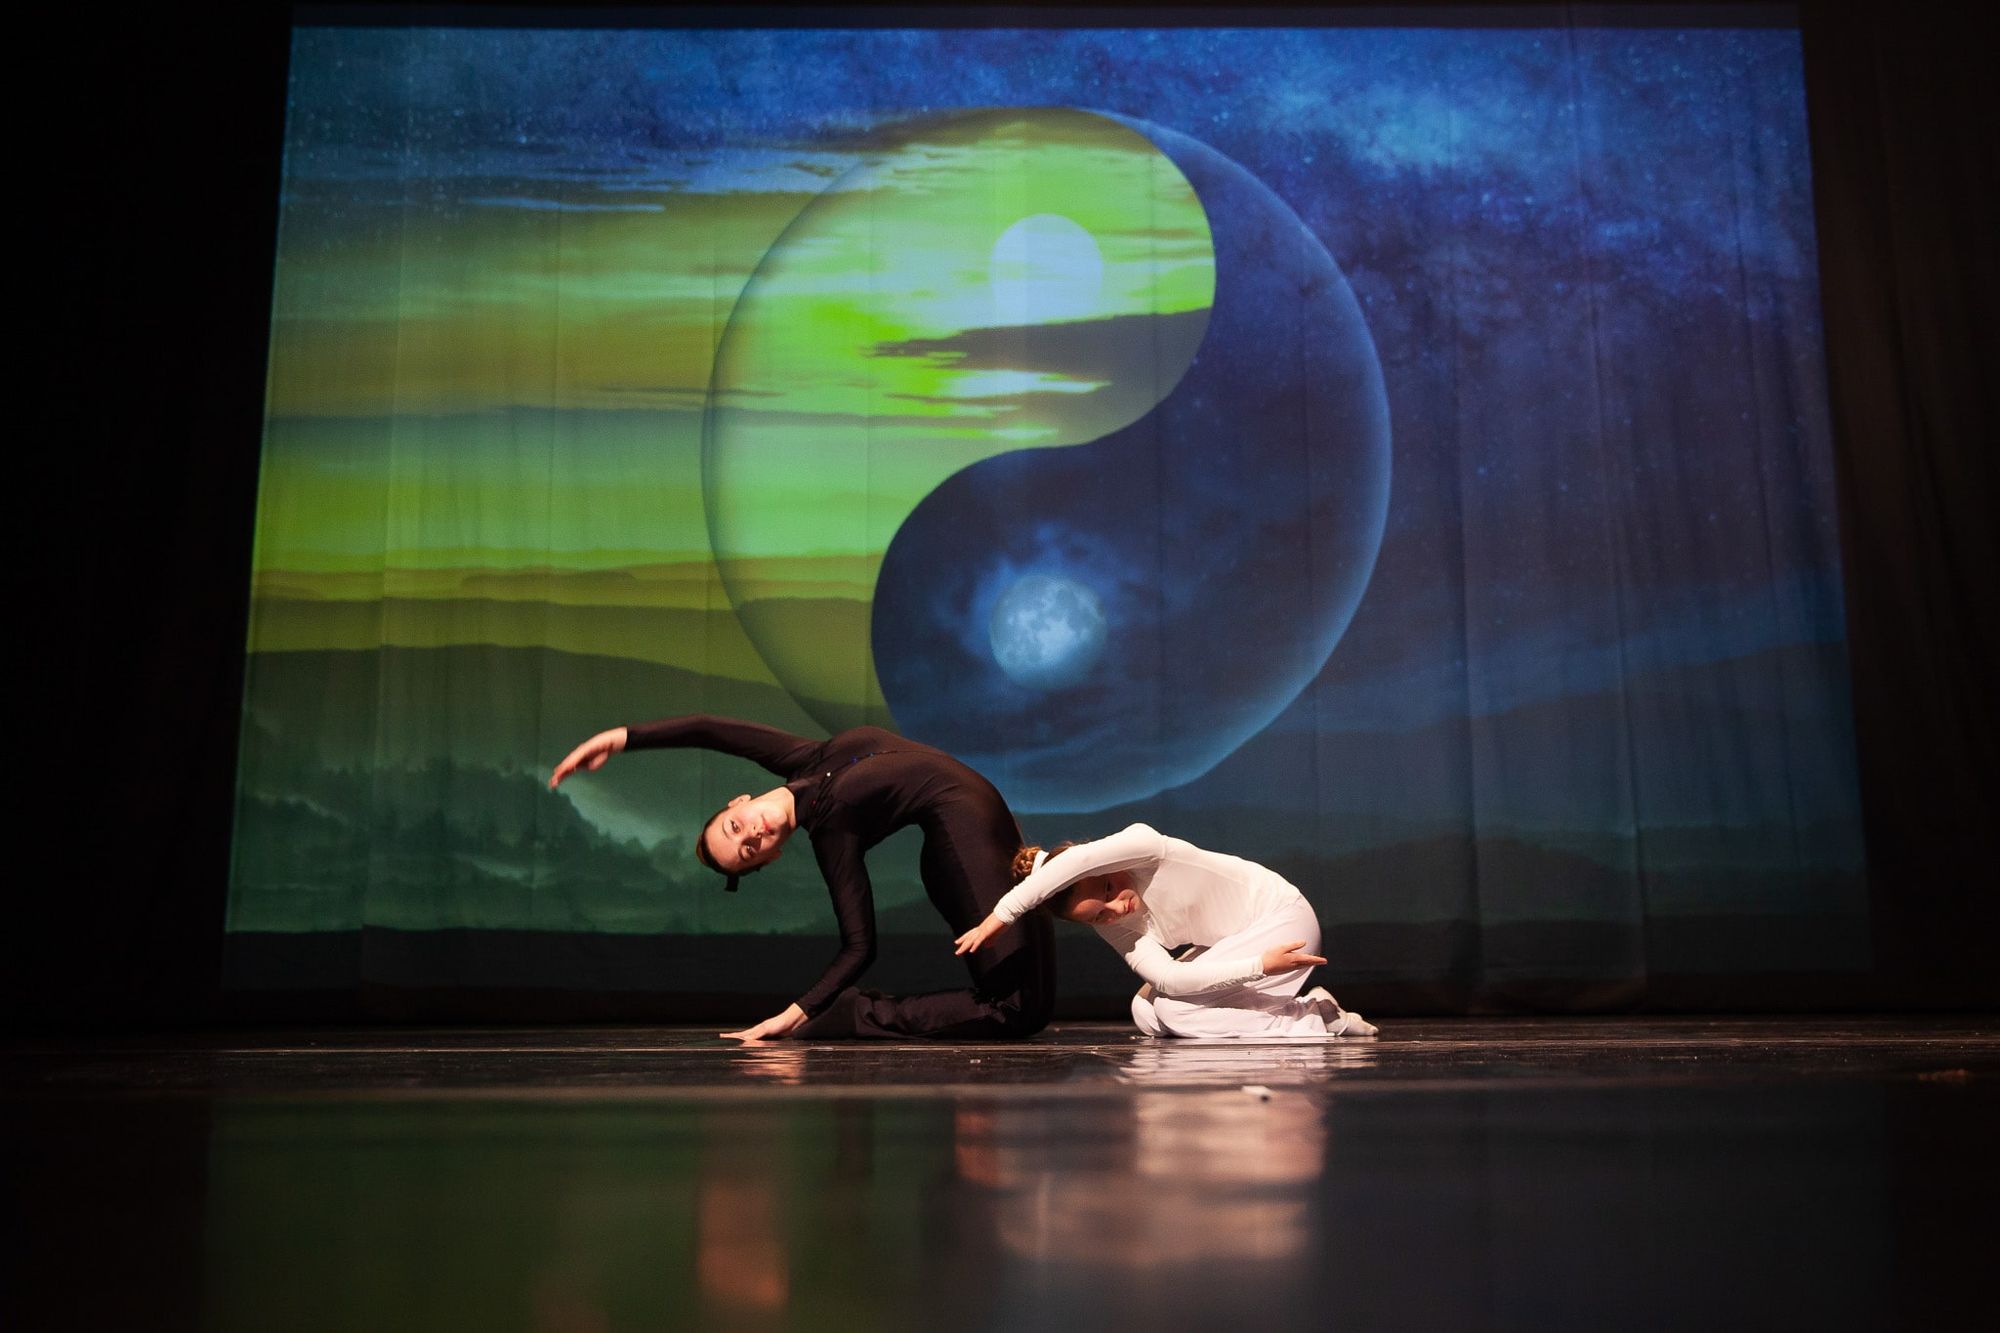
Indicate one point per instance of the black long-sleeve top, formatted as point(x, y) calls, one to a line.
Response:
point(851, 791)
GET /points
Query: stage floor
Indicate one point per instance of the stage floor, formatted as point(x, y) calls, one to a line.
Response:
point(1519, 1174)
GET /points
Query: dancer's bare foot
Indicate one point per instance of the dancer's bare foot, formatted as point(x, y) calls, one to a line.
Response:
point(1339, 1022)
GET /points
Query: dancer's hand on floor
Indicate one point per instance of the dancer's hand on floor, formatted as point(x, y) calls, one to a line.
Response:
point(590, 755)
point(970, 941)
point(1286, 957)
point(780, 1025)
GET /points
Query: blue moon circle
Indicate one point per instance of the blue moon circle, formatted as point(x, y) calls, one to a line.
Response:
point(1047, 632)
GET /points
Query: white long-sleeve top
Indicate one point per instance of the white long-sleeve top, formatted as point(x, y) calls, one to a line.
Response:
point(1186, 896)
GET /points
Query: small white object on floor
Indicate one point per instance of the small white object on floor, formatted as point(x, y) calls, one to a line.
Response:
point(1258, 1090)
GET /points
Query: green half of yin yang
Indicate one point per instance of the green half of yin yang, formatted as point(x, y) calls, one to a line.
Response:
point(974, 284)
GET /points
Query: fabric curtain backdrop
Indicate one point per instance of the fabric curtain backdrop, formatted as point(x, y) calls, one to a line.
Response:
point(1398, 456)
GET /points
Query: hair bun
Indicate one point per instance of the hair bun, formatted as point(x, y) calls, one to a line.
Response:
point(1024, 863)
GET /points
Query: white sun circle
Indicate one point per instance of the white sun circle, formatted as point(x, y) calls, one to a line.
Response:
point(1045, 269)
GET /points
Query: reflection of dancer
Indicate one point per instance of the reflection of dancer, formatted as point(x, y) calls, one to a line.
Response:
point(1147, 894)
point(1249, 1168)
point(848, 793)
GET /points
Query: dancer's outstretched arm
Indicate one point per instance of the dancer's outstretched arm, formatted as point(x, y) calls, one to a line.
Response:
point(970, 941)
point(1132, 846)
point(779, 1025)
point(589, 756)
point(780, 752)
point(846, 875)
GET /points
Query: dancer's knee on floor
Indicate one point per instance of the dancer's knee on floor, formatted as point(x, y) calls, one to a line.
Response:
point(1023, 1017)
point(1018, 1024)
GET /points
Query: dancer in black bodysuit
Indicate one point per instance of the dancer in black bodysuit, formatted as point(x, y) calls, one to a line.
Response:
point(849, 792)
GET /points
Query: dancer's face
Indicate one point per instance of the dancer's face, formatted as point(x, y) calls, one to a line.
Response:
point(1098, 901)
point(749, 832)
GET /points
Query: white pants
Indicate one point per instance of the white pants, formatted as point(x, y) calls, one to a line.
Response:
point(1267, 1007)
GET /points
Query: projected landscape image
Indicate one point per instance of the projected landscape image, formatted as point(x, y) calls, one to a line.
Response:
point(1399, 456)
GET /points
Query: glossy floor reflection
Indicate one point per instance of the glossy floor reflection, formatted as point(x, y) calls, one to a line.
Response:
point(1530, 1175)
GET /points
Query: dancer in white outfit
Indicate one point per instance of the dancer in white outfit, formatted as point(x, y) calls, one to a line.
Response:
point(1148, 894)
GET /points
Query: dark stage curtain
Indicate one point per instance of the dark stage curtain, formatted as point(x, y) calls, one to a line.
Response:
point(136, 536)
point(1901, 106)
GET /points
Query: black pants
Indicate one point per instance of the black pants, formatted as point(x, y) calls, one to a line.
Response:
point(968, 847)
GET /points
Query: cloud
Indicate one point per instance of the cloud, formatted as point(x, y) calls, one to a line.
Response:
point(1084, 350)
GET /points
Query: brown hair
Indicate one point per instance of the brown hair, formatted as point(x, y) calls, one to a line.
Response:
point(1024, 860)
